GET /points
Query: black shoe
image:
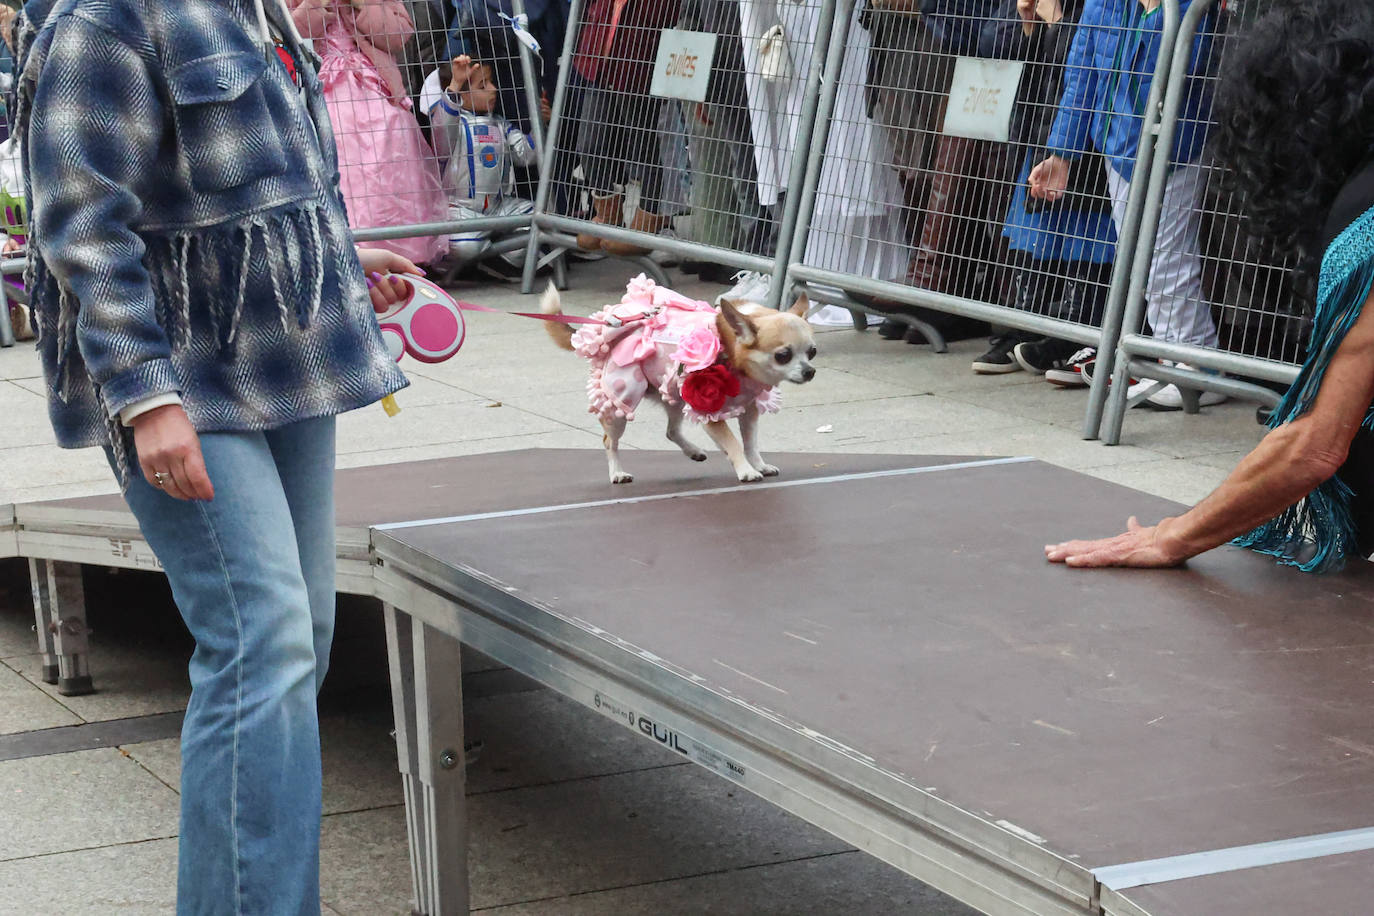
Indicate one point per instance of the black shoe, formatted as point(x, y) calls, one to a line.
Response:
point(690, 267)
point(998, 360)
point(891, 329)
point(1040, 356)
point(499, 269)
point(717, 273)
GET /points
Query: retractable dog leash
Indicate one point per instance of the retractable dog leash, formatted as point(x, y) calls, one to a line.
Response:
point(428, 325)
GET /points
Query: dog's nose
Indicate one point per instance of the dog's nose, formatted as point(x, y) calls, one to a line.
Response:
point(808, 374)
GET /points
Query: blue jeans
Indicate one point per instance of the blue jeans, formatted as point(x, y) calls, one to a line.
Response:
point(253, 576)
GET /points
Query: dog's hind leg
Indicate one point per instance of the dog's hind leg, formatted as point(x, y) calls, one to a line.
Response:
point(676, 437)
point(614, 428)
point(724, 437)
point(749, 432)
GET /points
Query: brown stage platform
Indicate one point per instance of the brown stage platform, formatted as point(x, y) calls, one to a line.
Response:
point(876, 644)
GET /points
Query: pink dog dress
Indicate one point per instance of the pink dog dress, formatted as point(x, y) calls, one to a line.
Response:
point(664, 335)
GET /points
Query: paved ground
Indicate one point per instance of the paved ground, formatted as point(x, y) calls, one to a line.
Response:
point(570, 815)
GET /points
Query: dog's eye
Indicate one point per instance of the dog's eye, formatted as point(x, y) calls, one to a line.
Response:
point(810, 352)
point(783, 356)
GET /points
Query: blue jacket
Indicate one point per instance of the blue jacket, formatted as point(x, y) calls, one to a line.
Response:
point(1110, 71)
point(958, 24)
point(188, 231)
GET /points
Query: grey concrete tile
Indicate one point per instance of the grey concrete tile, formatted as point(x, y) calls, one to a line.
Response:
point(1052, 444)
point(1038, 401)
point(35, 385)
point(26, 415)
point(572, 838)
point(20, 361)
point(25, 708)
point(43, 464)
point(80, 801)
point(846, 882)
point(359, 750)
point(566, 437)
point(131, 679)
point(1225, 461)
point(17, 636)
point(371, 429)
point(135, 878)
point(798, 428)
point(588, 745)
point(495, 375)
point(1223, 427)
point(1178, 479)
point(97, 486)
point(914, 368)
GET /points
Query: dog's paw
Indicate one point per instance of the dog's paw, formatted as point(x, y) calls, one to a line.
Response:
point(622, 477)
point(749, 476)
point(767, 470)
point(697, 456)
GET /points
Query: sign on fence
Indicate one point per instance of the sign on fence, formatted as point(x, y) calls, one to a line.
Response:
point(982, 97)
point(684, 65)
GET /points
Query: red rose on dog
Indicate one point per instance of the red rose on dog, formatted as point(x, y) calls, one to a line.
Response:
point(707, 390)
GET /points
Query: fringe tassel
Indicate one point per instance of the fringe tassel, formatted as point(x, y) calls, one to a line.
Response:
point(296, 252)
point(1318, 532)
point(245, 264)
point(315, 250)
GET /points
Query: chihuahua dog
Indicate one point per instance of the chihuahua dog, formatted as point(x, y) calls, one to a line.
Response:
point(700, 364)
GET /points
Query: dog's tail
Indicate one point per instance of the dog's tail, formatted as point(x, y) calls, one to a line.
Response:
point(550, 304)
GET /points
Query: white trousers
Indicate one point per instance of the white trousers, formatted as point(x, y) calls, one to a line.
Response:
point(1175, 305)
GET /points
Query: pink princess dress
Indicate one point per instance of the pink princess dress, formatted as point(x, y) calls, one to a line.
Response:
point(388, 172)
point(664, 336)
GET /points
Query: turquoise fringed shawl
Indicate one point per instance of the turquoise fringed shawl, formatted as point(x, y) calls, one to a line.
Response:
point(1318, 532)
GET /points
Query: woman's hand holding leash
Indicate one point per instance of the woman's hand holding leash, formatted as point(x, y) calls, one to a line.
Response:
point(169, 453)
point(378, 266)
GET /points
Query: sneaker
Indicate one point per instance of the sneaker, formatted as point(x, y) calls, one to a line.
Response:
point(665, 258)
point(750, 286)
point(1040, 356)
point(1166, 396)
point(500, 269)
point(998, 360)
point(1077, 371)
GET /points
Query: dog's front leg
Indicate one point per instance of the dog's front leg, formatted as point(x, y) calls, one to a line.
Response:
point(613, 428)
point(724, 437)
point(749, 432)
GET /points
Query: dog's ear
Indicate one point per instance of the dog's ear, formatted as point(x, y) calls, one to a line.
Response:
point(801, 306)
point(733, 326)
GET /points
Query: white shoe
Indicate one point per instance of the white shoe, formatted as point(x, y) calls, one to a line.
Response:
point(750, 286)
point(1165, 396)
point(665, 258)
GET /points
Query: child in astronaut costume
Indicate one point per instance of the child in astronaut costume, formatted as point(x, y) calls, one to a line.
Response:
point(477, 149)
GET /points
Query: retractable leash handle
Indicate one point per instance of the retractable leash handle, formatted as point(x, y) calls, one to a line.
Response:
point(427, 325)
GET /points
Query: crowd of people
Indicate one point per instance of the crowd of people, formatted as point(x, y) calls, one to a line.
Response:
point(1030, 223)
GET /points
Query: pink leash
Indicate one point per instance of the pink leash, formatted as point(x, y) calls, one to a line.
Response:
point(561, 319)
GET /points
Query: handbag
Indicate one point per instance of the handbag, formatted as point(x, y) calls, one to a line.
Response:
point(775, 61)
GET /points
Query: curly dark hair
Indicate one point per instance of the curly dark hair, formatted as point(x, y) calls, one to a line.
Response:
point(1295, 114)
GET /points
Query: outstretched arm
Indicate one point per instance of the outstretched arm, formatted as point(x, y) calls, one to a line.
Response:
point(1287, 465)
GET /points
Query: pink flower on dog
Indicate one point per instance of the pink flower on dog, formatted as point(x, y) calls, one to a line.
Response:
point(698, 350)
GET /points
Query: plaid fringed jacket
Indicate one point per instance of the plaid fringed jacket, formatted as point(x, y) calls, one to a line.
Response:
point(187, 230)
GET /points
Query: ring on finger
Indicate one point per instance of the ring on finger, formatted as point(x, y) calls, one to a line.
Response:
point(161, 477)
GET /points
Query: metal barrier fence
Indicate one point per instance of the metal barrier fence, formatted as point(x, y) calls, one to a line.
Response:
point(630, 169)
point(1262, 306)
point(889, 154)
